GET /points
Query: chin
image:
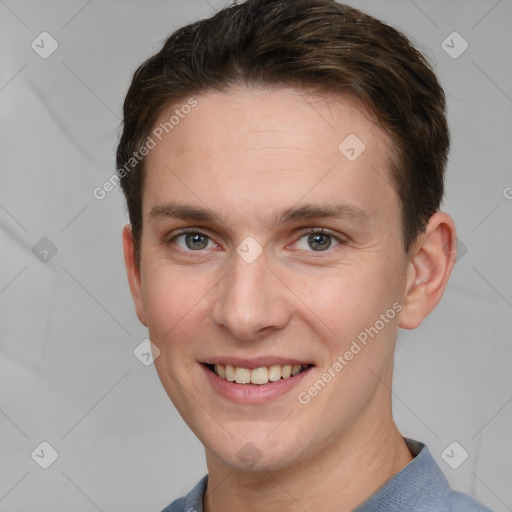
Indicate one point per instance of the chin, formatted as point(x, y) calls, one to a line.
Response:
point(257, 454)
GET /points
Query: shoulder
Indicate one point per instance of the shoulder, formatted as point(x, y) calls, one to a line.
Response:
point(437, 496)
point(459, 502)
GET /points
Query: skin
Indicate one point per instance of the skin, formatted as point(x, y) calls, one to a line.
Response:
point(247, 155)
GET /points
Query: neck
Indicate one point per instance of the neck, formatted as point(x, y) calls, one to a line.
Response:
point(337, 479)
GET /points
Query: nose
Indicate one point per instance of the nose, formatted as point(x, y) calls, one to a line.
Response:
point(252, 301)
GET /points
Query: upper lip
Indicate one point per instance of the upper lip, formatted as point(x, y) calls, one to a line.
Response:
point(255, 362)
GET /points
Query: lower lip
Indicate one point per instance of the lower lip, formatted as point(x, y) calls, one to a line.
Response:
point(253, 393)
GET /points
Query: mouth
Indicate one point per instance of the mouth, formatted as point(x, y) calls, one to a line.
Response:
point(257, 376)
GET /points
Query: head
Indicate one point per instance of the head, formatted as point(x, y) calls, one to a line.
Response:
point(302, 146)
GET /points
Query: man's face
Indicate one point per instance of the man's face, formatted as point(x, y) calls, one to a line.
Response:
point(293, 248)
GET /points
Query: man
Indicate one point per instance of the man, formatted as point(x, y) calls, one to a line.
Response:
point(283, 164)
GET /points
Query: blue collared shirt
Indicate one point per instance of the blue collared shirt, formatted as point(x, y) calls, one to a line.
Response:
point(418, 487)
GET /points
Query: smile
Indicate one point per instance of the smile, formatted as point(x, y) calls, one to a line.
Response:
point(259, 376)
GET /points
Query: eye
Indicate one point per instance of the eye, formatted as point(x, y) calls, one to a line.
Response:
point(317, 240)
point(192, 241)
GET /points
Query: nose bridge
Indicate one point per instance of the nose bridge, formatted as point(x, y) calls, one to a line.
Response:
point(249, 298)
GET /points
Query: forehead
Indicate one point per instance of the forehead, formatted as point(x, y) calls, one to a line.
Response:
point(268, 146)
point(251, 116)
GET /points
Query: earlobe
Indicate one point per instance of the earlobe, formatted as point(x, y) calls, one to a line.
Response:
point(431, 263)
point(133, 273)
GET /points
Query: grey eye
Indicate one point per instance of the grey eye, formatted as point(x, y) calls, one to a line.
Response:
point(196, 241)
point(319, 241)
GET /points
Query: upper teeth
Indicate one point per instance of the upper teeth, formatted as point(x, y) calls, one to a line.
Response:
point(260, 375)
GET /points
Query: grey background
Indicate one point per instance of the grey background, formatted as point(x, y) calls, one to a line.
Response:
point(67, 326)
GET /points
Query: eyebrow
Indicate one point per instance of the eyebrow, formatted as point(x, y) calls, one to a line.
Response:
point(306, 211)
point(313, 211)
point(183, 212)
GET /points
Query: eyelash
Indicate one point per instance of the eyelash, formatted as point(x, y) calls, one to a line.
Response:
point(305, 232)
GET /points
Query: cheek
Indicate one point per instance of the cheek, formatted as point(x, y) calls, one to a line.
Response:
point(345, 306)
point(168, 300)
point(352, 300)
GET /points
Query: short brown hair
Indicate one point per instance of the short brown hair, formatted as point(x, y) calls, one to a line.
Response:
point(319, 44)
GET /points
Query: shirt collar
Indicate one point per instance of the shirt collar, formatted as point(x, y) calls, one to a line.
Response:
point(194, 499)
point(421, 475)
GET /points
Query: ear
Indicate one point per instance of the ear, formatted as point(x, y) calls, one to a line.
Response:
point(133, 273)
point(432, 258)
